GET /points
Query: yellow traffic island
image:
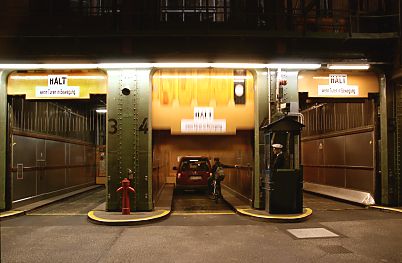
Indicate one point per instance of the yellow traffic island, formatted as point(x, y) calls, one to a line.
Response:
point(262, 214)
point(117, 219)
point(10, 214)
point(162, 210)
point(241, 206)
point(385, 208)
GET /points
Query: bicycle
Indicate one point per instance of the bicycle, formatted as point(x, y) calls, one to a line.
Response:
point(216, 188)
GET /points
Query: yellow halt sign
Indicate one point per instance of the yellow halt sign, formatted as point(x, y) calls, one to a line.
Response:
point(77, 84)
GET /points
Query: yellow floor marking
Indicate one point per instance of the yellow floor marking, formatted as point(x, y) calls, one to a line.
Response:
point(339, 209)
point(201, 213)
point(10, 213)
point(92, 215)
point(387, 208)
point(55, 214)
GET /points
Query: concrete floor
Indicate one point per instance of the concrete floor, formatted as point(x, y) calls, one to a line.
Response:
point(197, 202)
point(61, 233)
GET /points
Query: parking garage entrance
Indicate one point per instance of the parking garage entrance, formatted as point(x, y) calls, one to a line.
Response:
point(340, 141)
point(56, 133)
point(208, 113)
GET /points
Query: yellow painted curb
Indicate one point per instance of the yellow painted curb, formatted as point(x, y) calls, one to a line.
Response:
point(11, 213)
point(201, 213)
point(386, 208)
point(306, 214)
point(92, 216)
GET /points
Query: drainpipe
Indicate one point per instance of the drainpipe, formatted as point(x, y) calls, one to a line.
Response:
point(278, 98)
point(269, 94)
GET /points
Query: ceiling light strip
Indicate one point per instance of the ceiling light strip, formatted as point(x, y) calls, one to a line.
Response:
point(158, 65)
point(349, 66)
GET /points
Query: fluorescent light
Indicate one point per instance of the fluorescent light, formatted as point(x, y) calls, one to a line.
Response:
point(124, 65)
point(101, 110)
point(180, 65)
point(48, 66)
point(271, 65)
point(159, 65)
point(153, 65)
point(348, 66)
point(293, 66)
point(236, 65)
point(200, 77)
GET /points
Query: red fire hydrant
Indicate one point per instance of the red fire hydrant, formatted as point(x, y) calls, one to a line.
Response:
point(125, 187)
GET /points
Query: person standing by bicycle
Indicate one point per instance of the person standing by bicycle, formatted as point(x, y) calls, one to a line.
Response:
point(217, 172)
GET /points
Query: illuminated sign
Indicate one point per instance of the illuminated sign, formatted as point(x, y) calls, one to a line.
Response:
point(345, 84)
point(338, 79)
point(57, 80)
point(213, 126)
point(71, 84)
point(338, 86)
point(61, 92)
point(203, 122)
point(57, 87)
point(203, 113)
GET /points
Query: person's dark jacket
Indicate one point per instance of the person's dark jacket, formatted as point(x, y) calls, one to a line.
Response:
point(279, 162)
point(216, 165)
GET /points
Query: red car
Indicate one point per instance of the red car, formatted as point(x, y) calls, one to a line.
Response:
point(193, 172)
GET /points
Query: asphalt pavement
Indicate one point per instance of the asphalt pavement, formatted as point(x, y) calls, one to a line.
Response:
point(335, 232)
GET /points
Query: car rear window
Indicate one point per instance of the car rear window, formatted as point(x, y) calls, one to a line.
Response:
point(195, 165)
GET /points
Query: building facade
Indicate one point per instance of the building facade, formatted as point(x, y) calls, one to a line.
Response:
point(125, 55)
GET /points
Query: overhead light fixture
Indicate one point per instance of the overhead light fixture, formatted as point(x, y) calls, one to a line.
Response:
point(101, 110)
point(151, 65)
point(293, 66)
point(160, 65)
point(236, 65)
point(349, 66)
point(180, 65)
point(48, 66)
point(200, 77)
point(124, 65)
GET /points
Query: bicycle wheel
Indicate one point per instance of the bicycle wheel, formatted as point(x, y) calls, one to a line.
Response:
point(215, 193)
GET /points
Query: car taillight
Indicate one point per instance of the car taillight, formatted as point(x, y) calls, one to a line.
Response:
point(178, 175)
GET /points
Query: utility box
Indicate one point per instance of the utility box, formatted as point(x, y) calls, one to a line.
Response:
point(283, 171)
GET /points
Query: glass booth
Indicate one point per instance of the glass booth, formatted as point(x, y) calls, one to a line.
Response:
point(284, 174)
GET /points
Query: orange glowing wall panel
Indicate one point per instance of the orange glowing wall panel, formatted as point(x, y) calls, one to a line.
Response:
point(175, 93)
